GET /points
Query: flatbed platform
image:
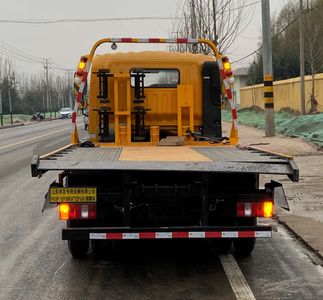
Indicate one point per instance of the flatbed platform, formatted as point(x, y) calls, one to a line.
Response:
point(164, 158)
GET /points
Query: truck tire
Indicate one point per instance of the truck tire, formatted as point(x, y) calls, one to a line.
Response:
point(244, 246)
point(78, 248)
point(101, 249)
point(223, 246)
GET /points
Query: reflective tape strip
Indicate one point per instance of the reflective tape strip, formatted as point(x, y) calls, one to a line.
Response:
point(147, 235)
point(229, 94)
point(263, 234)
point(164, 235)
point(73, 117)
point(98, 236)
point(114, 236)
point(246, 234)
point(180, 235)
point(196, 234)
point(154, 40)
point(130, 236)
point(79, 96)
point(213, 234)
point(230, 234)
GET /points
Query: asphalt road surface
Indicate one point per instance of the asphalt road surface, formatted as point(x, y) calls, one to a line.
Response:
point(35, 262)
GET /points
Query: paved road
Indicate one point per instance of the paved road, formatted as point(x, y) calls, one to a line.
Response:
point(35, 263)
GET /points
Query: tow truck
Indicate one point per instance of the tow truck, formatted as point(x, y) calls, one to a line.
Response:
point(156, 163)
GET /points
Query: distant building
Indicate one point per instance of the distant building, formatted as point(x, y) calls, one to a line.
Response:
point(241, 77)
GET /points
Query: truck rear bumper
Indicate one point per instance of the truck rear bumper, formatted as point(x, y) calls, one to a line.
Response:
point(126, 233)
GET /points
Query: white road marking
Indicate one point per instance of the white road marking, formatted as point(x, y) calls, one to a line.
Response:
point(237, 281)
point(32, 139)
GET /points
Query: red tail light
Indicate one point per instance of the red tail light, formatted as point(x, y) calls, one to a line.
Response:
point(263, 209)
point(71, 211)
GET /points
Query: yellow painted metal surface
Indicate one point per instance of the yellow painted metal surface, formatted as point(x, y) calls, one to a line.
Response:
point(173, 110)
point(161, 102)
point(162, 153)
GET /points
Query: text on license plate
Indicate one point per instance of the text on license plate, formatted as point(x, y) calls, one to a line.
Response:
point(72, 194)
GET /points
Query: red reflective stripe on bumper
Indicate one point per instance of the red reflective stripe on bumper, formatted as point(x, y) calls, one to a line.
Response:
point(212, 234)
point(180, 235)
point(147, 235)
point(114, 236)
point(246, 234)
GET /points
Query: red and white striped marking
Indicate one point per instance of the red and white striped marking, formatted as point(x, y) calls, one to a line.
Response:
point(228, 91)
point(179, 235)
point(79, 95)
point(154, 40)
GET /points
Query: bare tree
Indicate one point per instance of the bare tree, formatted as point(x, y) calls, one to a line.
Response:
point(313, 52)
point(220, 21)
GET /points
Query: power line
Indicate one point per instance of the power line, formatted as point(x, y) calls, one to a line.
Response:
point(277, 34)
point(12, 52)
point(53, 21)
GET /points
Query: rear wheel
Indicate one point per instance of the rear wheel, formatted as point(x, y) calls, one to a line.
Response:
point(223, 246)
point(101, 249)
point(78, 248)
point(244, 246)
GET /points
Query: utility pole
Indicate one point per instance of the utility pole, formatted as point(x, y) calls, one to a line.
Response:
point(268, 70)
point(1, 112)
point(193, 19)
point(70, 86)
point(11, 81)
point(214, 4)
point(193, 25)
point(1, 116)
point(302, 57)
point(46, 67)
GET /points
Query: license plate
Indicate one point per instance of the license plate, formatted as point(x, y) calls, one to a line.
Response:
point(72, 194)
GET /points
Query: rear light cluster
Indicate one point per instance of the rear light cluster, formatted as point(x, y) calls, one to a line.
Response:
point(263, 209)
point(72, 211)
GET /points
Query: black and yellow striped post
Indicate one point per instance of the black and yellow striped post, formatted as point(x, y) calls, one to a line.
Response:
point(268, 91)
point(269, 105)
point(267, 69)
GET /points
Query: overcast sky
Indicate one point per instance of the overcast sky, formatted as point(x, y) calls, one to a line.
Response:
point(64, 43)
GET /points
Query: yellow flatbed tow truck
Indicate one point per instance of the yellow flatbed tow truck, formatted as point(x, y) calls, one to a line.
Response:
point(156, 164)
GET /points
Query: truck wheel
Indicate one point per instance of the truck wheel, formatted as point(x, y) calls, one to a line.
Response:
point(78, 248)
point(223, 246)
point(101, 249)
point(244, 246)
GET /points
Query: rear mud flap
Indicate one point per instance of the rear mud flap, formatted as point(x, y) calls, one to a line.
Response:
point(47, 204)
point(278, 194)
